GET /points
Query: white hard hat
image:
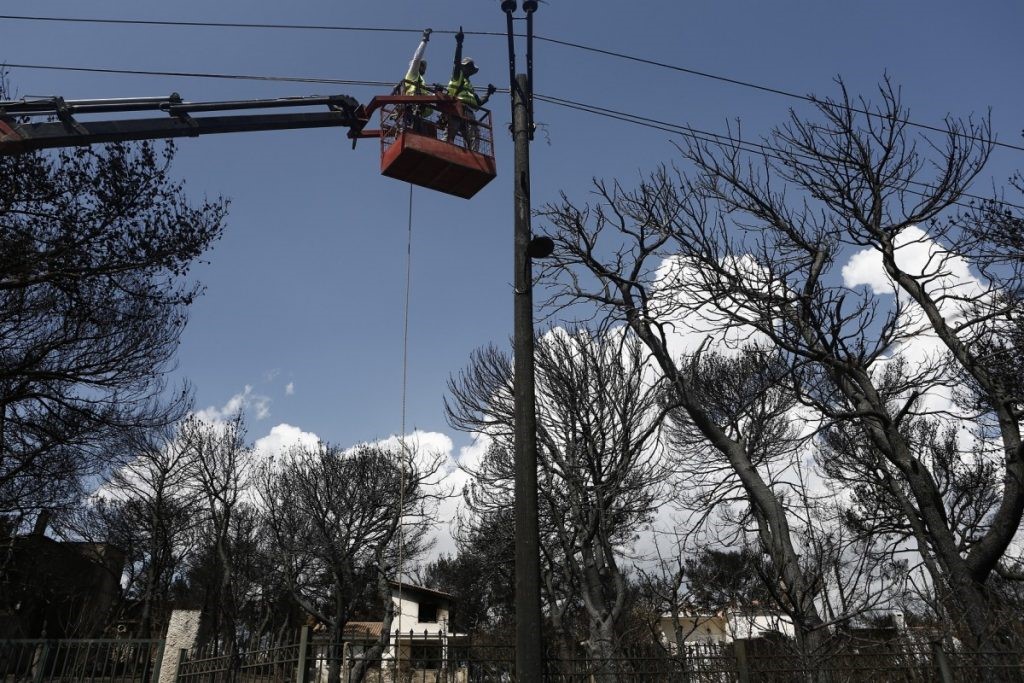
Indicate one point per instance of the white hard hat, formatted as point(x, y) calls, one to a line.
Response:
point(468, 63)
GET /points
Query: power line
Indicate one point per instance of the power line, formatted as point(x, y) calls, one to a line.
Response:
point(235, 24)
point(775, 91)
point(717, 138)
point(655, 124)
point(196, 74)
point(555, 41)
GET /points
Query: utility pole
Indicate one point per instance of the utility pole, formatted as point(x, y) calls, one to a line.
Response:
point(529, 644)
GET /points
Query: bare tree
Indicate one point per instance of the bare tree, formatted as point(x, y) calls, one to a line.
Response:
point(600, 465)
point(480, 575)
point(219, 464)
point(746, 392)
point(95, 247)
point(760, 238)
point(489, 497)
point(688, 587)
point(342, 517)
point(744, 396)
point(147, 509)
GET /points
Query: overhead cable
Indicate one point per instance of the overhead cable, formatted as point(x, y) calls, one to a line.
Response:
point(718, 139)
point(776, 91)
point(198, 74)
point(235, 24)
point(555, 41)
point(655, 124)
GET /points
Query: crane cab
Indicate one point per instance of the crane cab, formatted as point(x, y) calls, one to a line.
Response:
point(434, 142)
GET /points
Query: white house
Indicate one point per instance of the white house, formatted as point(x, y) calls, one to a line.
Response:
point(420, 633)
point(724, 626)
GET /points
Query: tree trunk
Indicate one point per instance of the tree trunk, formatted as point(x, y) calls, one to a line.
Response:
point(601, 649)
point(374, 653)
point(602, 616)
point(145, 618)
point(335, 650)
point(770, 514)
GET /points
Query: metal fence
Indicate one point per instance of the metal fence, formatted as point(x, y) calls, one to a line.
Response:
point(445, 658)
point(871, 662)
point(261, 660)
point(307, 658)
point(94, 660)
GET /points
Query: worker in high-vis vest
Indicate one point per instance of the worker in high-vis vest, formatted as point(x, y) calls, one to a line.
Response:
point(461, 88)
point(414, 84)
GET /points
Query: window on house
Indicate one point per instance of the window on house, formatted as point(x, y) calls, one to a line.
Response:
point(428, 613)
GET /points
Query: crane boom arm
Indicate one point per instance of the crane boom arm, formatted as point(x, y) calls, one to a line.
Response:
point(413, 148)
point(19, 133)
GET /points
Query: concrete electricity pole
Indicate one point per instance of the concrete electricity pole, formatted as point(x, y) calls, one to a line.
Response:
point(529, 643)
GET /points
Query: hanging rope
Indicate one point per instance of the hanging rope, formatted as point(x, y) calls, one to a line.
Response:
point(401, 438)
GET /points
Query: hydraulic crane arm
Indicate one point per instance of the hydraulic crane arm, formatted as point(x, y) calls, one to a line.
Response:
point(417, 134)
point(19, 133)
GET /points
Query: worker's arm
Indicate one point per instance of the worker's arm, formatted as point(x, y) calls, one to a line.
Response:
point(490, 91)
point(457, 69)
point(414, 65)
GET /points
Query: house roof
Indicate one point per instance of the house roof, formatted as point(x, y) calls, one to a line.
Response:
point(363, 629)
point(411, 588)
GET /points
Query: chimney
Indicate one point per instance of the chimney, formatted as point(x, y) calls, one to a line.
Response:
point(899, 621)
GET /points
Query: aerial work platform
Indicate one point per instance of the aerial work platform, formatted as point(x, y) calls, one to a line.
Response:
point(435, 142)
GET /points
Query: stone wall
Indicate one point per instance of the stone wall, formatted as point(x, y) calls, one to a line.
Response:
point(182, 631)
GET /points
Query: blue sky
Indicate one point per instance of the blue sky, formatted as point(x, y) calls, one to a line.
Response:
point(307, 287)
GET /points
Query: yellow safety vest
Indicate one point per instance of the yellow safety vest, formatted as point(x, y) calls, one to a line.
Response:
point(414, 85)
point(462, 90)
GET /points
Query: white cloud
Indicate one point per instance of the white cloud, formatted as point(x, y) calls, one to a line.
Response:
point(289, 389)
point(865, 268)
point(948, 279)
point(245, 400)
point(455, 480)
point(919, 255)
point(472, 455)
point(447, 483)
point(281, 438)
point(448, 513)
point(424, 446)
point(691, 316)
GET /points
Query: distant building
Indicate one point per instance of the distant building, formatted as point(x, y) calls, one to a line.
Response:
point(725, 625)
point(56, 589)
point(420, 634)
